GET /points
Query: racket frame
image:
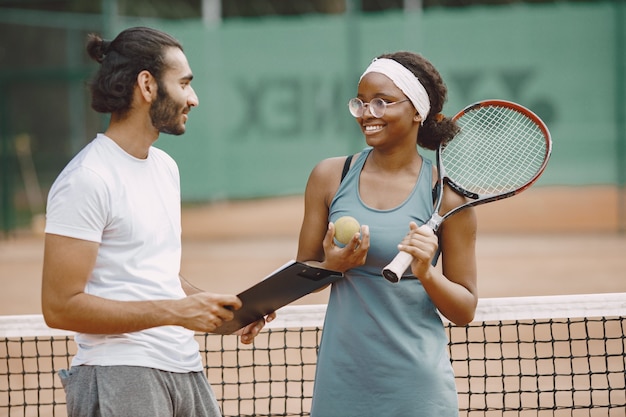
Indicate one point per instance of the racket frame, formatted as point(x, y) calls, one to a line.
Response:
point(396, 268)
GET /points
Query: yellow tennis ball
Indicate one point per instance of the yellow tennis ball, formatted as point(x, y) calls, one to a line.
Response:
point(345, 228)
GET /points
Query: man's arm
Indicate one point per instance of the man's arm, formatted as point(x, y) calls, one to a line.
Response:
point(67, 266)
point(248, 333)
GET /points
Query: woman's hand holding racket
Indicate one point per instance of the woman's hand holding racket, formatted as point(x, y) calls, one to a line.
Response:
point(421, 244)
point(501, 150)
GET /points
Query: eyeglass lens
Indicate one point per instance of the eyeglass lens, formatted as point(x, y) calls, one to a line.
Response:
point(377, 107)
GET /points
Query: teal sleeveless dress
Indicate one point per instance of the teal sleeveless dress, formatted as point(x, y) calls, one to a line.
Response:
point(384, 347)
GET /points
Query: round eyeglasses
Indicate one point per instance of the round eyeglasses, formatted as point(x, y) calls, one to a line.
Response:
point(377, 106)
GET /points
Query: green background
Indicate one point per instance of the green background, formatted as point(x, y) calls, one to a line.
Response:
point(273, 91)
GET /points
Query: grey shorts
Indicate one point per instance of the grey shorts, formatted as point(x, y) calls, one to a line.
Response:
point(120, 391)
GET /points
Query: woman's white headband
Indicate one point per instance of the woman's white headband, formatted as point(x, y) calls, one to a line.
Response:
point(405, 80)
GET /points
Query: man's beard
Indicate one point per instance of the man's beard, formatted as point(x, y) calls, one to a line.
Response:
point(166, 113)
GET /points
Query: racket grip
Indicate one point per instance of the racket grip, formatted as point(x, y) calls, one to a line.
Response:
point(394, 271)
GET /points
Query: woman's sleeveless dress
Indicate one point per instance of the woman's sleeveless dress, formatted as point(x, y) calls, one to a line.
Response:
point(384, 347)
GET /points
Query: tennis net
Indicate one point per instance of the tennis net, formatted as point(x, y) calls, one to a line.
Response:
point(521, 356)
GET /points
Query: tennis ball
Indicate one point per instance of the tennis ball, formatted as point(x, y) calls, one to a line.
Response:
point(345, 228)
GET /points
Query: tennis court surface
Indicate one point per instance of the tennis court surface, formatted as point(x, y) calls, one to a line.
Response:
point(538, 347)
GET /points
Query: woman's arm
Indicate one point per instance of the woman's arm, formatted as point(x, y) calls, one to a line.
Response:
point(316, 244)
point(453, 289)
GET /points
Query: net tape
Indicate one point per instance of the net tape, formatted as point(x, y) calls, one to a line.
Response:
point(521, 356)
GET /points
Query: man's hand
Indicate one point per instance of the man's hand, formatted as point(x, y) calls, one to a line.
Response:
point(205, 311)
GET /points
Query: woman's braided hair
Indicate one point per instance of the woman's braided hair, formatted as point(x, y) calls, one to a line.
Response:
point(437, 128)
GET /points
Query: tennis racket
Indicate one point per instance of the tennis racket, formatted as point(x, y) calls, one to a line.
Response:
point(502, 148)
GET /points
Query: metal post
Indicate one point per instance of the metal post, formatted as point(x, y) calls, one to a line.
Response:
point(77, 113)
point(6, 165)
point(353, 37)
point(353, 52)
point(109, 16)
point(620, 109)
point(412, 5)
point(211, 12)
point(413, 26)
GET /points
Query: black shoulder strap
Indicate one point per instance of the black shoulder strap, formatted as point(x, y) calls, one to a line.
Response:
point(346, 167)
point(438, 253)
point(435, 193)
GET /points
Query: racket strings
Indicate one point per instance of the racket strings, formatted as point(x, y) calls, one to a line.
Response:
point(497, 150)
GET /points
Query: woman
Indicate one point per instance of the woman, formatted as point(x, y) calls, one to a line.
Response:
point(384, 347)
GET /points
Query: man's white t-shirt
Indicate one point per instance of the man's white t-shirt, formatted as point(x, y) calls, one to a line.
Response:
point(132, 208)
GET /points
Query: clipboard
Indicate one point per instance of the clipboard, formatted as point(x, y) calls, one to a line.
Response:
point(288, 283)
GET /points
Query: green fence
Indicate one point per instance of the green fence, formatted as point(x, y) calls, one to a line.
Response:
point(273, 92)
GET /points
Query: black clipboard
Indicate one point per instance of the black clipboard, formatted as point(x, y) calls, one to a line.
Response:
point(290, 282)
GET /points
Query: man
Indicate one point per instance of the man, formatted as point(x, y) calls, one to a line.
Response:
point(113, 247)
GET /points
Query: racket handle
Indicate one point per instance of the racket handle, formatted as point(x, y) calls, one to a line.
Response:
point(396, 268)
point(394, 271)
